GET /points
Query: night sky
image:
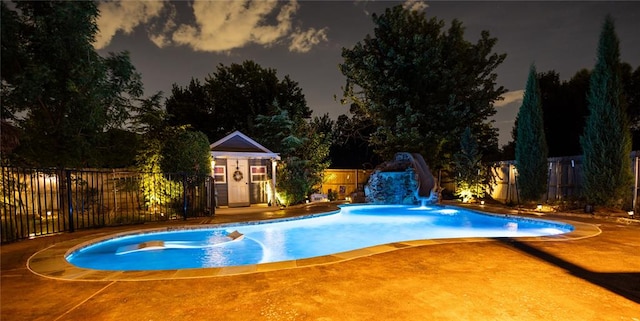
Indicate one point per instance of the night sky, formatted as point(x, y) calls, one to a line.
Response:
point(172, 42)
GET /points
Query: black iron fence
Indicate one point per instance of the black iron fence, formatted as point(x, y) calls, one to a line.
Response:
point(36, 202)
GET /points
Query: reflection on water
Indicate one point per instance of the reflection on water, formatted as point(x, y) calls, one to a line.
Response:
point(354, 227)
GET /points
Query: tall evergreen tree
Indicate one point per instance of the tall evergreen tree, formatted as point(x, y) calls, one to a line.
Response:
point(606, 142)
point(531, 146)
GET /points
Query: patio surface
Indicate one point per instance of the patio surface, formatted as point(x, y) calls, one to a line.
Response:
point(590, 274)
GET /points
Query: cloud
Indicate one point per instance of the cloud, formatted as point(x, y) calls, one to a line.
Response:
point(225, 25)
point(123, 16)
point(303, 41)
point(218, 26)
point(510, 97)
point(158, 31)
point(506, 114)
point(415, 5)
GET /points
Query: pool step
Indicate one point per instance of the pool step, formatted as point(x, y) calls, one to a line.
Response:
point(161, 245)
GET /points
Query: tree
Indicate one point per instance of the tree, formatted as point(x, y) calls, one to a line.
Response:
point(316, 150)
point(232, 97)
point(468, 168)
point(304, 149)
point(351, 147)
point(564, 106)
point(606, 141)
point(186, 151)
point(564, 109)
point(631, 88)
point(61, 93)
point(168, 150)
point(119, 149)
point(574, 95)
point(554, 111)
point(150, 123)
point(422, 86)
point(191, 106)
point(531, 145)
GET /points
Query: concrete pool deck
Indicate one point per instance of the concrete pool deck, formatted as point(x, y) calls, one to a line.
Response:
point(592, 273)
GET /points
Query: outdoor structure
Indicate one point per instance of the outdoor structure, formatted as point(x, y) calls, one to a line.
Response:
point(244, 171)
point(406, 179)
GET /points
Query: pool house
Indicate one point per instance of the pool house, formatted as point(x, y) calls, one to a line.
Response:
point(244, 171)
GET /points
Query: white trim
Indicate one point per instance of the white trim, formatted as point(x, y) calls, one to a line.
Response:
point(243, 136)
point(244, 155)
point(264, 175)
point(224, 174)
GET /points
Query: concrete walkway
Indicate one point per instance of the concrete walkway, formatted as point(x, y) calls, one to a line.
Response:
point(580, 278)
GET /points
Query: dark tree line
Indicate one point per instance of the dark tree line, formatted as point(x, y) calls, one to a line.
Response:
point(564, 105)
point(351, 148)
point(232, 97)
point(600, 120)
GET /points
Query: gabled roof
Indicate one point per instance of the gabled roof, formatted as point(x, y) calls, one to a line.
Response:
point(238, 144)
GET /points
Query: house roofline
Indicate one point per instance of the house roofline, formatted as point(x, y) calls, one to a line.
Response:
point(243, 136)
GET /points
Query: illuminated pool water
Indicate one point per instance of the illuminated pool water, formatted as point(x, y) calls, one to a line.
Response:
point(354, 227)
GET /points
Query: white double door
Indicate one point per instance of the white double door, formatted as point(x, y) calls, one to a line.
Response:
point(238, 170)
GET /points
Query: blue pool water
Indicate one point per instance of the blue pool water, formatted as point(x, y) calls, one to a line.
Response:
point(354, 227)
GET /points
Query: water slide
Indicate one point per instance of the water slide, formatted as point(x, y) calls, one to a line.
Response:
point(427, 187)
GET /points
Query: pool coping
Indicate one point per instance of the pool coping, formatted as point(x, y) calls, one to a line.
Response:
point(51, 263)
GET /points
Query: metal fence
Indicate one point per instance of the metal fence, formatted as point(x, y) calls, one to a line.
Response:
point(38, 202)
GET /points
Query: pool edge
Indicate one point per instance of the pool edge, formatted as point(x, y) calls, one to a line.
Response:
point(51, 263)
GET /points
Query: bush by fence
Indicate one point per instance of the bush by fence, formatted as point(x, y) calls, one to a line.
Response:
point(39, 202)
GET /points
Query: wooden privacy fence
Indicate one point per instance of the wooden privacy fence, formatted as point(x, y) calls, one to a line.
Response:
point(344, 182)
point(564, 180)
point(37, 202)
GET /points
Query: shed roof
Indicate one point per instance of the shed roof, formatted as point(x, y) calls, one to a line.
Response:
point(238, 144)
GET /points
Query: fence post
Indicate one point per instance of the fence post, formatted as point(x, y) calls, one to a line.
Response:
point(635, 184)
point(508, 198)
point(184, 196)
point(213, 198)
point(515, 179)
point(67, 179)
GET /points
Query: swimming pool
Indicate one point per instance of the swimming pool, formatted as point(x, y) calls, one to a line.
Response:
point(353, 227)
